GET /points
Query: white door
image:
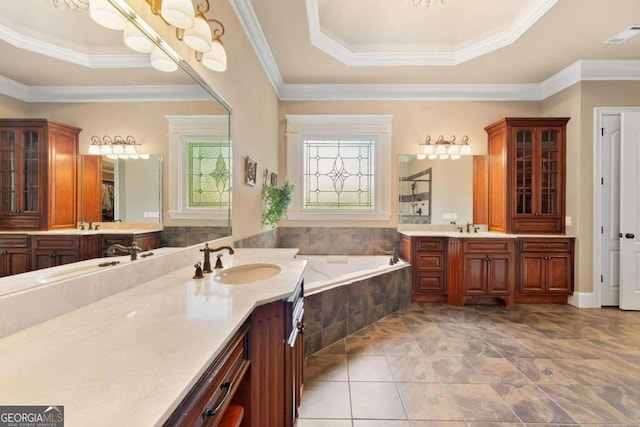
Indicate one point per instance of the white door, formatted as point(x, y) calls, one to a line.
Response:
point(629, 212)
point(610, 211)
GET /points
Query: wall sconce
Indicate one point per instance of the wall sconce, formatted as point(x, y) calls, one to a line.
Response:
point(192, 26)
point(443, 149)
point(116, 147)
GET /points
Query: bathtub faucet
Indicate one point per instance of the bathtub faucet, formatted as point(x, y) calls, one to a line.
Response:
point(394, 255)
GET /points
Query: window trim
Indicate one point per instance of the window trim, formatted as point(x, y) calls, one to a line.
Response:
point(375, 127)
point(183, 129)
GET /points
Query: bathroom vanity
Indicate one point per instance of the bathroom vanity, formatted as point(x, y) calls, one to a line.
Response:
point(168, 350)
point(456, 267)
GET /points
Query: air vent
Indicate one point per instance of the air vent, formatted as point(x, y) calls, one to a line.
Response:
point(624, 35)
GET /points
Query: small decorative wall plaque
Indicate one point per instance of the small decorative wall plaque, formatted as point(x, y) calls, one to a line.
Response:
point(274, 178)
point(251, 169)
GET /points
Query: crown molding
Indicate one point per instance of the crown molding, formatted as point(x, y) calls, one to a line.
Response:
point(349, 57)
point(51, 50)
point(102, 93)
point(247, 17)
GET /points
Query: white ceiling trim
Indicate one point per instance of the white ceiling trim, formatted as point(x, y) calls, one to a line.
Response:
point(368, 59)
point(247, 17)
point(154, 93)
point(574, 73)
point(42, 47)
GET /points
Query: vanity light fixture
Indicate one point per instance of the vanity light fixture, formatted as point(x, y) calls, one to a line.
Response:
point(444, 149)
point(201, 34)
point(116, 147)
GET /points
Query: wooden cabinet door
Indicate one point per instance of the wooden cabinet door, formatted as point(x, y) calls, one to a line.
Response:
point(559, 273)
point(475, 274)
point(266, 353)
point(500, 274)
point(13, 261)
point(532, 273)
point(537, 178)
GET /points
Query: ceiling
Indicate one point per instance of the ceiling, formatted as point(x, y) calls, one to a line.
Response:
point(348, 49)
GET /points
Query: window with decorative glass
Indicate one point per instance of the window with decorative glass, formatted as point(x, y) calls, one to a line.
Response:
point(339, 166)
point(201, 158)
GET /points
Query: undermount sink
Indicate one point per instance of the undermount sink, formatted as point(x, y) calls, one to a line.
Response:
point(245, 274)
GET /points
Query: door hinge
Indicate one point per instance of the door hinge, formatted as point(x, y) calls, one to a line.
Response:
point(601, 278)
point(602, 230)
point(601, 131)
point(602, 181)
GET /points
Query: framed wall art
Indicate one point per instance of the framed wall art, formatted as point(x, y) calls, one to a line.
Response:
point(250, 171)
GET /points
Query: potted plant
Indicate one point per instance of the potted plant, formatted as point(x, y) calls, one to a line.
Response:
point(277, 199)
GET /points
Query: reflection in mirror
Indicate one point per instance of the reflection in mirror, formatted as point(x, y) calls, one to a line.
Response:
point(435, 191)
point(132, 189)
point(118, 94)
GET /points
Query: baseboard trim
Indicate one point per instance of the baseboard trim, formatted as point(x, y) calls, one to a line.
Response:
point(583, 300)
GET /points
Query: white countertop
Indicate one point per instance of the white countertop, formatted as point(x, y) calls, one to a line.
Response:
point(129, 359)
point(478, 235)
point(78, 232)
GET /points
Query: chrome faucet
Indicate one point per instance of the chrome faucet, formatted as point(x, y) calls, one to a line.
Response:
point(218, 260)
point(130, 250)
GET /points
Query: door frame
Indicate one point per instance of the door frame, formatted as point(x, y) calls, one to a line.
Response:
point(598, 112)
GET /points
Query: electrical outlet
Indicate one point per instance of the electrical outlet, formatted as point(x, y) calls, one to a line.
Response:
point(567, 220)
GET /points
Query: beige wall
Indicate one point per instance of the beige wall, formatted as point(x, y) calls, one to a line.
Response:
point(254, 123)
point(12, 108)
point(412, 121)
point(579, 102)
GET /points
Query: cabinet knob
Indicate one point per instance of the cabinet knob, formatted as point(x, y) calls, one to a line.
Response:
point(630, 236)
point(301, 327)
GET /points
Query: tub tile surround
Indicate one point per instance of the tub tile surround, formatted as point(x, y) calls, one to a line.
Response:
point(174, 236)
point(332, 314)
point(590, 378)
point(153, 340)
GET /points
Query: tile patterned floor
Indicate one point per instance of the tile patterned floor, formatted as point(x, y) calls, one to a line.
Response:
point(434, 365)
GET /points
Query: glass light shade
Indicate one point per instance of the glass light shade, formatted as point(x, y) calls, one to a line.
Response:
point(94, 149)
point(465, 150)
point(441, 149)
point(112, 156)
point(421, 156)
point(137, 41)
point(122, 156)
point(118, 149)
point(455, 156)
point(132, 156)
point(178, 13)
point(103, 13)
point(198, 37)
point(432, 156)
point(453, 149)
point(161, 61)
point(130, 149)
point(105, 149)
point(428, 149)
point(216, 58)
point(144, 156)
point(443, 156)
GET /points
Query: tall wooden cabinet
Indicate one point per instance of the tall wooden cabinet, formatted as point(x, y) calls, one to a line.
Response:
point(526, 175)
point(38, 174)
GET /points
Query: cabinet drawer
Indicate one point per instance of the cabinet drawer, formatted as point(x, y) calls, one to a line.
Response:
point(545, 245)
point(19, 222)
point(55, 242)
point(537, 225)
point(431, 283)
point(215, 389)
point(429, 261)
point(13, 241)
point(487, 245)
point(429, 245)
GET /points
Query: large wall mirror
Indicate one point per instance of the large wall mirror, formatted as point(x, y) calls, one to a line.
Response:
point(60, 65)
point(435, 191)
